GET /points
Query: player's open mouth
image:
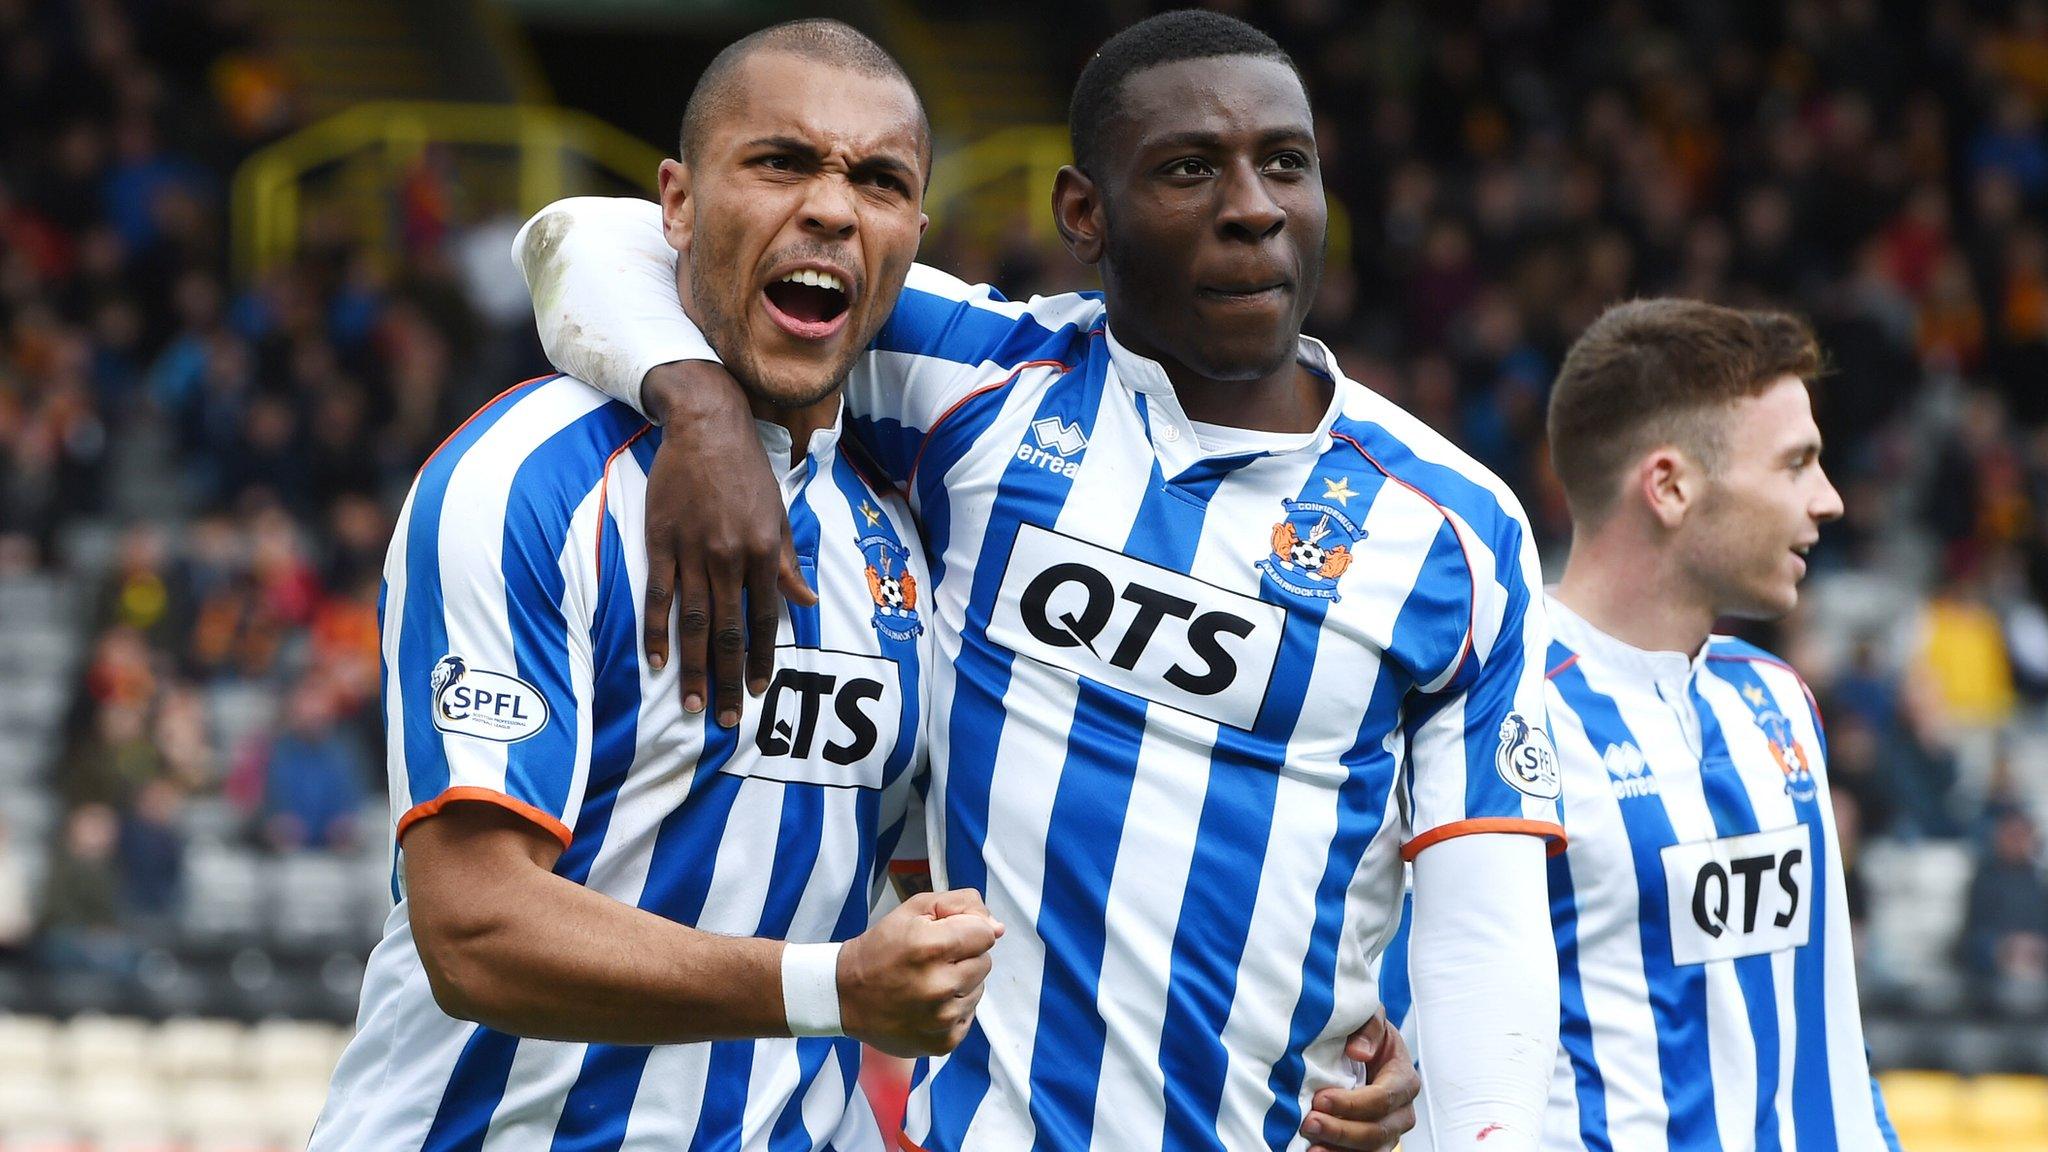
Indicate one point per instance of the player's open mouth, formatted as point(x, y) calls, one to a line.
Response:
point(809, 303)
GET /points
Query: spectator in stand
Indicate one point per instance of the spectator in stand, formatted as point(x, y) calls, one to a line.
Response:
point(2005, 929)
point(17, 908)
point(81, 926)
point(152, 855)
point(312, 776)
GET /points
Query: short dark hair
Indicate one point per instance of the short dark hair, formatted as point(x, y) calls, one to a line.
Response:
point(1652, 372)
point(825, 41)
point(1185, 34)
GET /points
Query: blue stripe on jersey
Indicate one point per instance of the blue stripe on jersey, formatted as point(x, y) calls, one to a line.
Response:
point(553, 479)
point(789, 1134)
point(1678, 996)
point(1088, 811)
point(1397, 994)
point(614, 701)
point(1728, 803)
point(678, 881)
point(1370, 777)
point(803, 530)
point(1230, 842)
point(1813, 1113)
point(981, 679)
point(853, 918)
point(1575, 1033)
point(475, 1085)
point(423, 631)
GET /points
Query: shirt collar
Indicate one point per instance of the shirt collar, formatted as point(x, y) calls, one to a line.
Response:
point(1672, 671)
point(1148, 378)
point(777, 442)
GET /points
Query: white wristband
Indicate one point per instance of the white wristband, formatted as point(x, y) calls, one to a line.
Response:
point(810, 989)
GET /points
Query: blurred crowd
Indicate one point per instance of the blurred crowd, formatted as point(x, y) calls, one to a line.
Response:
point(253, 438)
point(1506, 168)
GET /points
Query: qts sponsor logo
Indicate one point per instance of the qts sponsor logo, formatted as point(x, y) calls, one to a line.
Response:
point(1739, 895)
point(829, 718)
point(1136, 627)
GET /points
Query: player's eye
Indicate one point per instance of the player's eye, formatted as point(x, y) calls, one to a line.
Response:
point(1288, 161)
point(1188, 166)
point(778, 162)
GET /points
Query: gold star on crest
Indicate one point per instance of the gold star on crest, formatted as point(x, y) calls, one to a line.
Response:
point(1339, 490)
point(872, 514)
point(1754, 695)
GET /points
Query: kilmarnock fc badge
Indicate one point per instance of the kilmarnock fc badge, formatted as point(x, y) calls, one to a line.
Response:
point(892, 587)
point(1785, 746)
point(1312, 548)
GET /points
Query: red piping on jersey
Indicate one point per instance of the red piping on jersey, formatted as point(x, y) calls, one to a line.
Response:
point(1442, 832)
point(904, 1143)
point(961, 402)
point(604, 488)
point(488, 405)
point(1471, 569)
point(910, 867)
point(1777, 663)
point(1554, 673)
point(419, 812)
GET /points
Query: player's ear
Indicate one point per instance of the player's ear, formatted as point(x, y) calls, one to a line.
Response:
point(677, 213)
point(1077, 211)
point(1669, 484)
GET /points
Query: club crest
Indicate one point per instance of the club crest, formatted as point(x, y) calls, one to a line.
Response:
point(892, 587)
point(1785, 747)
point(1312, 548)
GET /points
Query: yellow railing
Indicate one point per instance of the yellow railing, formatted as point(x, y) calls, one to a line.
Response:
point(383, 140)
point(389, 136)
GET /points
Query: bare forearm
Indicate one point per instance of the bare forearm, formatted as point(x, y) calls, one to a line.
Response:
point(561, 962)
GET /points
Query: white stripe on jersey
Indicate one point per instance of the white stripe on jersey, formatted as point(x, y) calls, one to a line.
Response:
point(519, 566)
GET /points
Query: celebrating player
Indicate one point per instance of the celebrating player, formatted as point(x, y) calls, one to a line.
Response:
point(1709, 990)
point(1222, 635)
point(599, 879)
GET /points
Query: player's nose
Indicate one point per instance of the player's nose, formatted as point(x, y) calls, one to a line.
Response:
point(828, 208)
point(1827, 504)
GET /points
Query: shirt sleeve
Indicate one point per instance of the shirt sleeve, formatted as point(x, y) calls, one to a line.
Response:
point(1480, 755)
point(487, 644)
point(603, 281)
point(1485, 1017)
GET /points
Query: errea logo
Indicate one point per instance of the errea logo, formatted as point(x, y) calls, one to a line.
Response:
point(1628, 772)
point(1054, 446)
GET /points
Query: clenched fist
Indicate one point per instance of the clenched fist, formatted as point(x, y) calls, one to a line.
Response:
point(909, 984)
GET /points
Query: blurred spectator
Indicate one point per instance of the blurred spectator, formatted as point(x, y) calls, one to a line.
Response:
point(81, 925)
point(2005, 930)
point(313, 775)
point(17, 908)
point(152, 852)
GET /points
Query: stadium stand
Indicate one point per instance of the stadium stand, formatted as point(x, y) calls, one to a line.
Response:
point(198, 471)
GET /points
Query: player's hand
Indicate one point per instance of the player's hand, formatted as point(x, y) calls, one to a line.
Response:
point(909, 985)
point(1373, 1116)
point(716, 528)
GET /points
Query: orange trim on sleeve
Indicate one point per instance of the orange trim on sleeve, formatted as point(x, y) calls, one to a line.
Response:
point(904, 1143)
point(419, 812)
point(1456, 828)
point(1554, 673)
point(909, 867)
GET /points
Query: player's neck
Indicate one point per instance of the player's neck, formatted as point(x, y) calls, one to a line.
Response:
point(1289, 399)
point(1633, 592)
point(801, 423)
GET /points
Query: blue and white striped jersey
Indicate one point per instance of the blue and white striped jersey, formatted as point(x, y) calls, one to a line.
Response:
point(1707, 982)
point(513, 674)
point(1192, 708)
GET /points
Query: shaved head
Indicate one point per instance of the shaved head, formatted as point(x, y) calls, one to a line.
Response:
point(828, 42)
